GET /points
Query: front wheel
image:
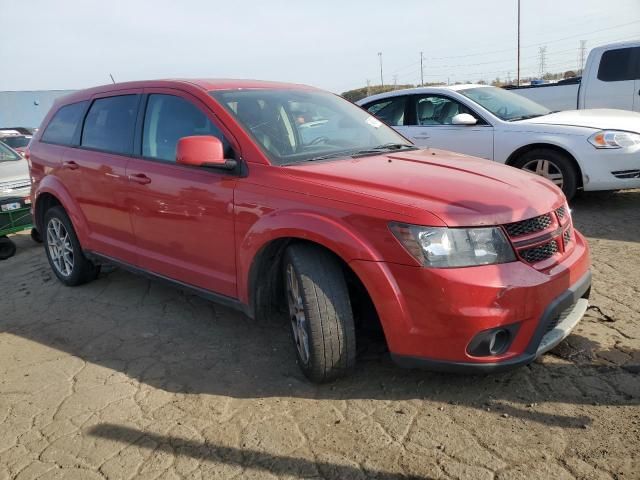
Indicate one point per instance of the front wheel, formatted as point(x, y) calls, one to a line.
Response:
point(552, 165)
point(320, 312)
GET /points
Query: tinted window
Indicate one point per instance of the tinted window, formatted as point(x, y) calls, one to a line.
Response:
point(64, 124)
point(389, 110)
point(169, 118)
point(19, 141)
point(7, 154)
point(620, 64)
point(110, 123)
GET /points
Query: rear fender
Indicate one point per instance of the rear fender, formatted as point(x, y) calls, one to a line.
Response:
point(51, 185)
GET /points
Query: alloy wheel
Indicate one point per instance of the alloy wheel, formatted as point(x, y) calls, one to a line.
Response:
point(297, 315)
point(546, 169)
point(60, 247)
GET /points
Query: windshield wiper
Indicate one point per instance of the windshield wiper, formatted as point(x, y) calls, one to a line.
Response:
point(385, 148)
point(394, 146)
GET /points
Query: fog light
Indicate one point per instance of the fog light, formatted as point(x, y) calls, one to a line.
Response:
point(491, 342)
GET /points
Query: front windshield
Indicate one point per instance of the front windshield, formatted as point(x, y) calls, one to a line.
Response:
point(6, 154)
point(18, 141)
point(294, 126)
point(504, 104)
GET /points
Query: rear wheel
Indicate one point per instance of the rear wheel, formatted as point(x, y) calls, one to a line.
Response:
point(320, 312)
point(7, 248)
point(552, 165)
point(64, 251)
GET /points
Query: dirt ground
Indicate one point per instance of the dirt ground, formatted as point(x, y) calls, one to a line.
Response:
point(129, 378)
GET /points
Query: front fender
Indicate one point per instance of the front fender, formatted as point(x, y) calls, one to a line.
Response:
point(53, 186)
point(333, 234)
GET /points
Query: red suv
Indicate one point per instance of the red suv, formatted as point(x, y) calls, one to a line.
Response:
point(267, 196)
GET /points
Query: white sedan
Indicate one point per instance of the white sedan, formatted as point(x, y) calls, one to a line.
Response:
point(581, 149)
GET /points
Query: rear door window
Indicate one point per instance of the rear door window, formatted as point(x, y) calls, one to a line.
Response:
point(110, 124)
point(389, 110)
point(168, 118)
point(620, 64)
point(64, 125)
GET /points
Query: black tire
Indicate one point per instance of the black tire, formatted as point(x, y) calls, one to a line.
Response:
point(559, 161)
point(83, 270)
point(35, 235)
point(7, 248)
point(329, 318)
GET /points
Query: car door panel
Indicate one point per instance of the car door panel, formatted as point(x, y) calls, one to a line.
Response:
point(432, 127)
point(167, 200)
point(97, 182)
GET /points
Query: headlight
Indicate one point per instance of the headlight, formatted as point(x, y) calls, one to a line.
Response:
point(614, 139)
point(454, 247)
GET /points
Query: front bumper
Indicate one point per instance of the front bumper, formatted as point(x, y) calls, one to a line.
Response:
point(557, 322)
point(610, 169)
point(430, 317)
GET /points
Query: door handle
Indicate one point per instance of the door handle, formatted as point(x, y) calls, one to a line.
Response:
point(422, 137)
point(71, 165)
point(139, 178)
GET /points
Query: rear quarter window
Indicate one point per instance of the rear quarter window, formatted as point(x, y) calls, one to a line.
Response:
point(620, 64)
point(64, 125)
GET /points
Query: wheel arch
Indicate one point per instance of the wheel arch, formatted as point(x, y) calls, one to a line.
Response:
point(52, 192)
point(519, 152)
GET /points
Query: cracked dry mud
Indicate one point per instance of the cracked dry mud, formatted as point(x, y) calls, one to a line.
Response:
point(129, 378)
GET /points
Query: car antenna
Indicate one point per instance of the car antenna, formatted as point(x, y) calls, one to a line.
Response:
point(112, 80)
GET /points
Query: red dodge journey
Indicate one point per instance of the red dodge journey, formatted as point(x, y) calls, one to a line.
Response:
point(271, 197)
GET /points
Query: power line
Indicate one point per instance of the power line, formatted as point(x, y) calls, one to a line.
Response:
point(542, 52)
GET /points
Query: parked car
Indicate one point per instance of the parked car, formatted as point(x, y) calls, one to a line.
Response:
point(15, 140)
point(611, 79)
point(15, 199)
point(589, 149)
point(467, 265)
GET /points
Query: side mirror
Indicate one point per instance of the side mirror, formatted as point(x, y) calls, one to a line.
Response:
point(464, 119)
point(202, 151)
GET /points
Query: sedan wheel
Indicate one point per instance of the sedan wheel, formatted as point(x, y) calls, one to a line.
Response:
point(546, 169)
point(296, 313)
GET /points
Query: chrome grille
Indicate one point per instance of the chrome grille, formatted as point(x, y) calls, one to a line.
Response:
point(532, 225)
point(539, 253)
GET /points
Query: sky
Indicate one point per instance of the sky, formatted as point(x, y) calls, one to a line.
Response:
point(71, 44)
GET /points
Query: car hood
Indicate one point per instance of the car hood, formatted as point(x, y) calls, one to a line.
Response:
point(594, 118)
point(460, 190)
point(14, 177)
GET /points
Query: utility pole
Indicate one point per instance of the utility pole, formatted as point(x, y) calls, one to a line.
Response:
point(421, 71)
point(381, 78)
point(368, 87)
point(508, 78)
point(518, 78)
point(395, 82)
point(542, 52)
point(583, 50)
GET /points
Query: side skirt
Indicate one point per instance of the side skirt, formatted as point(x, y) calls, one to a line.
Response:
point(201, 292)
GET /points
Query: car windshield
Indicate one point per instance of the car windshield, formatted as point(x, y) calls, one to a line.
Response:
point(6, 154)
point(505, 105)
point(17, 141)
point(294, 126)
